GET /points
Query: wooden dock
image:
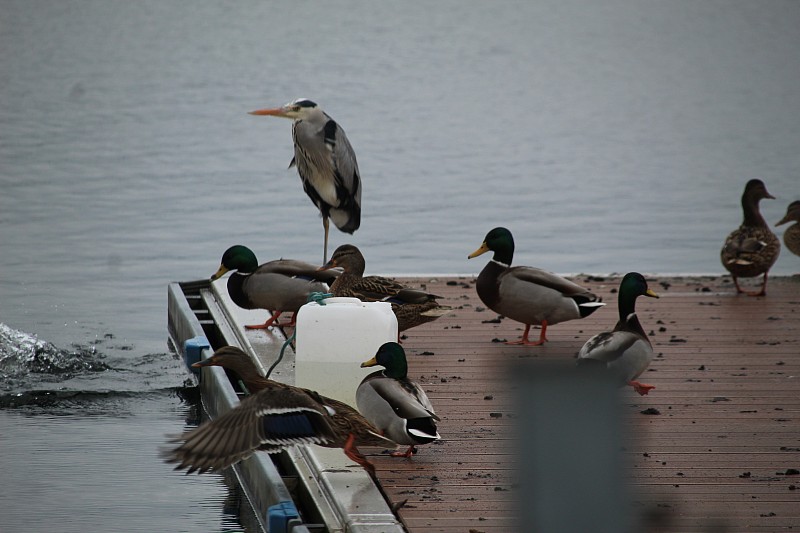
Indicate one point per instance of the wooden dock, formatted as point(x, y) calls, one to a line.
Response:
point(719, 451)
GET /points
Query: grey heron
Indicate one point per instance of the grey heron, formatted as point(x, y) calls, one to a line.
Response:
point(326, 163)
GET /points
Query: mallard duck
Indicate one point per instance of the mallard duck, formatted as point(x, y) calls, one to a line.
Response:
point(527, 294)
point(279, 286)
point(397, 406)
point(791, 237)
point(275, 416)
point(326, 163)
point(752, 249)
point(412, 307)
point(625, 351)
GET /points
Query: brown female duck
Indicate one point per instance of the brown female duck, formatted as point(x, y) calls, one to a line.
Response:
point(275, 416)
point(412, 307)
point(791, 237)
point(752, 248)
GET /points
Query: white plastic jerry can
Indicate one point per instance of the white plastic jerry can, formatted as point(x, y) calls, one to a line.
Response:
point(333, 339)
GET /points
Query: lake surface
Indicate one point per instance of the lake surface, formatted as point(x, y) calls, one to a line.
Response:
point(608, 136)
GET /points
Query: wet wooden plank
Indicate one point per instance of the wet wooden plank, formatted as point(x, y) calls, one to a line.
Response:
point(716, 456)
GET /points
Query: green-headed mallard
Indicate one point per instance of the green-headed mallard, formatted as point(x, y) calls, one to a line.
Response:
point(397, 406)
point(625, 351)
point(527, 294)
point(791, 237)
point(275, 416)
point(412, 307)
point(282, 285)
point(752, 249)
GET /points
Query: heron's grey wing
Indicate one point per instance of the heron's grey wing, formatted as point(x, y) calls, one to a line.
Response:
point(344, 159)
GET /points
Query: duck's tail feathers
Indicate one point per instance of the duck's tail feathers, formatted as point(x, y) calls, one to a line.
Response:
point(423, 430)
point(587, 308)
point(437, 311)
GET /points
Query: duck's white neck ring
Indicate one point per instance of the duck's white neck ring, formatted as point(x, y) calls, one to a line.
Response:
point(500, 263)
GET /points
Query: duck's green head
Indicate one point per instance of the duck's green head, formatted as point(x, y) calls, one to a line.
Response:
point(392, 357)
point(239, 258)
point(499, 241)
point(631, 287)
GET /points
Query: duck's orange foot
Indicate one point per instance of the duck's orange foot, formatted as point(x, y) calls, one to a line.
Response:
point(524, 341)
point(408, 453)
point(270, 322)
point(641, 388)
point(762, 292)
point(352, 452)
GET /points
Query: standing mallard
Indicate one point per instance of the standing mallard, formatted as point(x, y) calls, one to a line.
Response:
point(275, 416)
point(279, 286)
point(397, 406)
point(625, 351)
point(412, 307)
point(752, 249)
point(527, 294)
point(791, 237)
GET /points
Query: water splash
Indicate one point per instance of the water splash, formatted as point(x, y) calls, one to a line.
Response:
point(38, 374)
point(22, 353)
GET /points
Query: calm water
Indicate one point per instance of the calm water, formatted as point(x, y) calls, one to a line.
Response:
point(608, 136)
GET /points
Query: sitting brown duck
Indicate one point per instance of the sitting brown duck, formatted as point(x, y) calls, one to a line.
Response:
point(275, 416)
point(412, 307)
point(752, 248)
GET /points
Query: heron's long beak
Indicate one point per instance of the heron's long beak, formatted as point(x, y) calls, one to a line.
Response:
point(275, 112)
point(482, 250)
point(651, 293)
point(371, 362)
point(219, 273)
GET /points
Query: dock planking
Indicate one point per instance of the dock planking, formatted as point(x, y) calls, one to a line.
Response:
point(720, 455)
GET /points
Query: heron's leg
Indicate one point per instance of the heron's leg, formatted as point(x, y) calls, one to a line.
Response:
point(325, 224)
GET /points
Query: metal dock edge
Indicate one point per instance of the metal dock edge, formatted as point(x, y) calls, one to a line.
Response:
point(329, 492)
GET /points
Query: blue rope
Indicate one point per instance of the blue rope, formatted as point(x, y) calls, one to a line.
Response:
point(280, 356)
point(319, 298)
